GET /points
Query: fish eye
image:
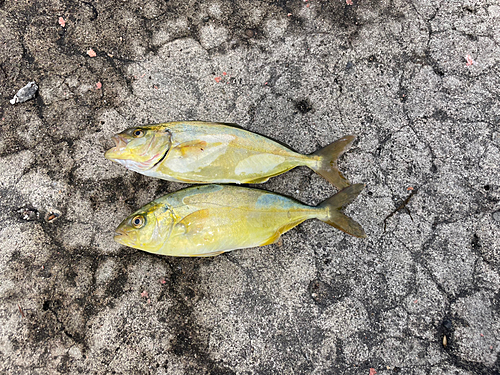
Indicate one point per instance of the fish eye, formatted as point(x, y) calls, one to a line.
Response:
point(138, 221)
point(138, 133)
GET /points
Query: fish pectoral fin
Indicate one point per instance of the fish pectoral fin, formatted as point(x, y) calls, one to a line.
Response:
point(285, 228)
point(194, 223)
point(213, 254)
point(192, 147)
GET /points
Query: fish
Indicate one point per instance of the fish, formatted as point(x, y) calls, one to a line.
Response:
point(204, 152)
point(208, 220)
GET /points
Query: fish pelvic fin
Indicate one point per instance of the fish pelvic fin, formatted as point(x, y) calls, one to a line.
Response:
point(206, 255)
point(327, 166)
point(336, 218)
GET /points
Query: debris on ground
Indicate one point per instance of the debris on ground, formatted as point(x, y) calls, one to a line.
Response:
point(52, 215)
point(26, 93)
point(28, 214)
point(469, 60)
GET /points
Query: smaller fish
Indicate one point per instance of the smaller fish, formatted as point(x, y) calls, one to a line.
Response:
point(211, 219)
point(204, 152)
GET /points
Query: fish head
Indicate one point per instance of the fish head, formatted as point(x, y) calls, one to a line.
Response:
point(147, 229)
point(140, 149)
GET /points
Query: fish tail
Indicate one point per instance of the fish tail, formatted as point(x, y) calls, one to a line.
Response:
point(327, 166)
point(336, 218)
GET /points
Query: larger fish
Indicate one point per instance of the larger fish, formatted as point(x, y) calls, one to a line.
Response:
point(203, 152)
point(211, 219)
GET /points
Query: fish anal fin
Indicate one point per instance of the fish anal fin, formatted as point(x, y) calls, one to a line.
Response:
point(285, 228)
point(257, 180)
point(265, 179)
point(273, 239)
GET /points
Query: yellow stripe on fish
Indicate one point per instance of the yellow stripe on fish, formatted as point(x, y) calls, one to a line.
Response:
point(203, 152)
point(211, 219)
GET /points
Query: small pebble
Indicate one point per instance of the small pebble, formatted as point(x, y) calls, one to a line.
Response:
point(249, 33)
point(496, 216)
point(447, 324)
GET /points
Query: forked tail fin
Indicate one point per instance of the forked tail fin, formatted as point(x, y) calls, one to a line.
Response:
point(328, 161)
point(336, 218)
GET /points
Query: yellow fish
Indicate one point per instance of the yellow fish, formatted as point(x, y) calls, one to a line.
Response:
point(203, 152)
point(211, 219)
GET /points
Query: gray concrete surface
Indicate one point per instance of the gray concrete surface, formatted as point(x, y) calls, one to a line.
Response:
point(395, 73)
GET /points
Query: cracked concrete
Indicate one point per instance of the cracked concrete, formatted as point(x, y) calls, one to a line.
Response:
point(416, 81)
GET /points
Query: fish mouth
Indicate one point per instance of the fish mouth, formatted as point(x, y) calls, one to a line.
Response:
point(121, 237)
point(119, 141)
point(120, 145)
